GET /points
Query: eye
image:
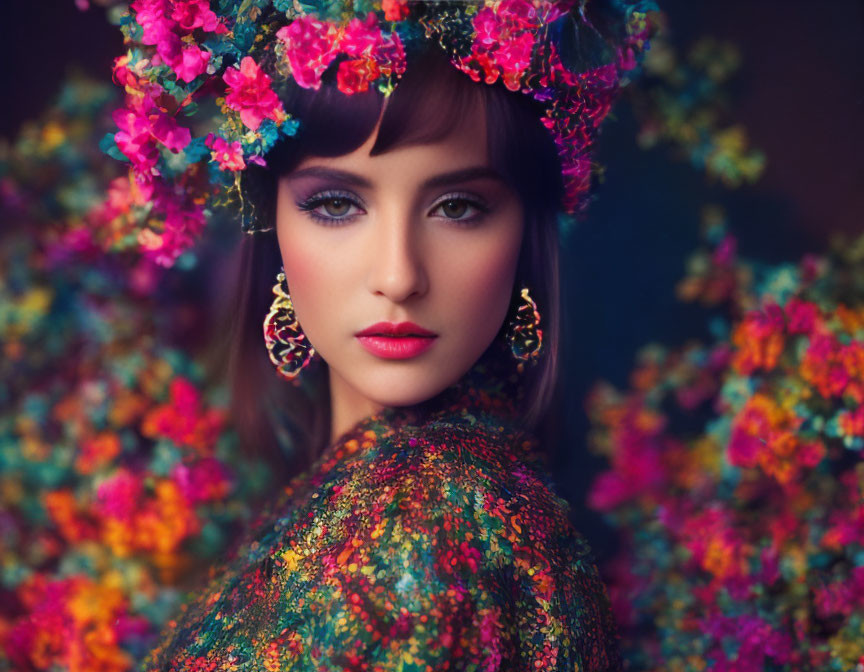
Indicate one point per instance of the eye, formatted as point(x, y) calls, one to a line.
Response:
point(455, 207)
point(330, 206)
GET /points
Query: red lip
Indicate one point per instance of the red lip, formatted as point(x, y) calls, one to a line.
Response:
point(396, 341)
point(395, 329)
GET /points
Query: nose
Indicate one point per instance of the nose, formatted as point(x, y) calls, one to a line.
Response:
point(395, 259)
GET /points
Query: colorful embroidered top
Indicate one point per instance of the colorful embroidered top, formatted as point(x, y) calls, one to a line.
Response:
point(425, 538)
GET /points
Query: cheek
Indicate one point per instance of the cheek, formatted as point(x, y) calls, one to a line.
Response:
point(312, 282)
point(480, 284)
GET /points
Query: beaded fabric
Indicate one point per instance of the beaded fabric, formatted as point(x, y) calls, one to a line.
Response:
point(424, 538)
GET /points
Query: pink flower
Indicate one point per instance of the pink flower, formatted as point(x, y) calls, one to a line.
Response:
point(519, 14)
point(206, 479)
point(192, 62)
point(166, 130)
point(505, 41)
point(165, 22)
point(182, 221)
point(390, 56)
point(251, 95)
point(192, 14)
point(119, 496)
point(152, 15)
point(141, 129)
point(229, 156)
point(802, 316)
point(840, 597)
point(514, 57)
point(135, 139)
point(157, 28)
point(637, 463)
point(486, 26)
point(361, 38)
point(310, 47)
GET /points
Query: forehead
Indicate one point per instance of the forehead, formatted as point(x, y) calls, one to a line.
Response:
point(464, 143)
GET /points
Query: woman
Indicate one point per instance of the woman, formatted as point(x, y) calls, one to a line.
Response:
point(412, 238)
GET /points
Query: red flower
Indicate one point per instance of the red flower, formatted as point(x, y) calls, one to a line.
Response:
point(354, 76)
point(395, 10)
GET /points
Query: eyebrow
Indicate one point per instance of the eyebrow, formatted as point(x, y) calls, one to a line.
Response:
point(453, 177)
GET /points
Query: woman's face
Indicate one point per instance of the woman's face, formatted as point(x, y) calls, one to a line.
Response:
point(427, 234)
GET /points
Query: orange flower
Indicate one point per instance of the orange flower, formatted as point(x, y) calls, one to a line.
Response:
point(97, 452)
point(759, 340)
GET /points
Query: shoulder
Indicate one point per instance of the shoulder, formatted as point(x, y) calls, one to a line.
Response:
point(463, 524)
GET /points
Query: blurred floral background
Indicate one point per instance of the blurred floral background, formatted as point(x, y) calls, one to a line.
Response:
point(713, 416)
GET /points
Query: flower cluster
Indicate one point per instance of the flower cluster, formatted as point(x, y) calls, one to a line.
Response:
point(201, 76)
point(116, 473)
point(310, 46)
point(736, 475)
point(120, 479)
point(681, 102)
point(513, 35)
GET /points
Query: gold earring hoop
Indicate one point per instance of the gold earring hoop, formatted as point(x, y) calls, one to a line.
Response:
point(287, 345)
point(523, 331)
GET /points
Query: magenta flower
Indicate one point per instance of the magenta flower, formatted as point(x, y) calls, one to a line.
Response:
point(486, 26)
point(229, 156)
point(192, 14)
point(192, 62)
point(118, 497)
point(204, 480)
point(142, 125)
point(840, 597)
point(250, 94)
point(310, 47)
point(157, 28)
point(168, 132)
point(182, 221)
point(361, 38)
point(135, 139)
point(637, 465)
point(802, 316)
point(504, 41)
point(165, 22)
point(518, 13)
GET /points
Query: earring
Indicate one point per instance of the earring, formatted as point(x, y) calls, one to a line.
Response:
point(523, 332)
point(287, 345)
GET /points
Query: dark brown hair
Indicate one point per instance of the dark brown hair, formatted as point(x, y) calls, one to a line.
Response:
point(429, 100)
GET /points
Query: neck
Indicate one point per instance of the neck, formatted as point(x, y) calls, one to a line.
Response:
point(484, 386)
point(347, 406)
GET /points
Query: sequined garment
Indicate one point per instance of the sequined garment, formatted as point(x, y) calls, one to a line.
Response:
point(424, 538)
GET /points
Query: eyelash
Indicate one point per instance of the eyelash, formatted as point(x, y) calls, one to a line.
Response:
point(317, 200)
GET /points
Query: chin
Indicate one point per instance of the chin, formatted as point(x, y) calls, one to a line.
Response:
point(405, 389)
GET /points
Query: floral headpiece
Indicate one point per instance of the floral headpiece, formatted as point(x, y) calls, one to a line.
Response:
point(202, 82)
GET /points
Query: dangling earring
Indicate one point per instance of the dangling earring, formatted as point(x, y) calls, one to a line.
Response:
point(523, 332)
point(287, 345)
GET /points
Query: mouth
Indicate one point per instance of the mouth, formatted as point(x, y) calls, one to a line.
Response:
point(396, 341)
point(396, 330)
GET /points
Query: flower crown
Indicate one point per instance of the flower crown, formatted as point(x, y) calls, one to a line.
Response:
point(202, 83)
